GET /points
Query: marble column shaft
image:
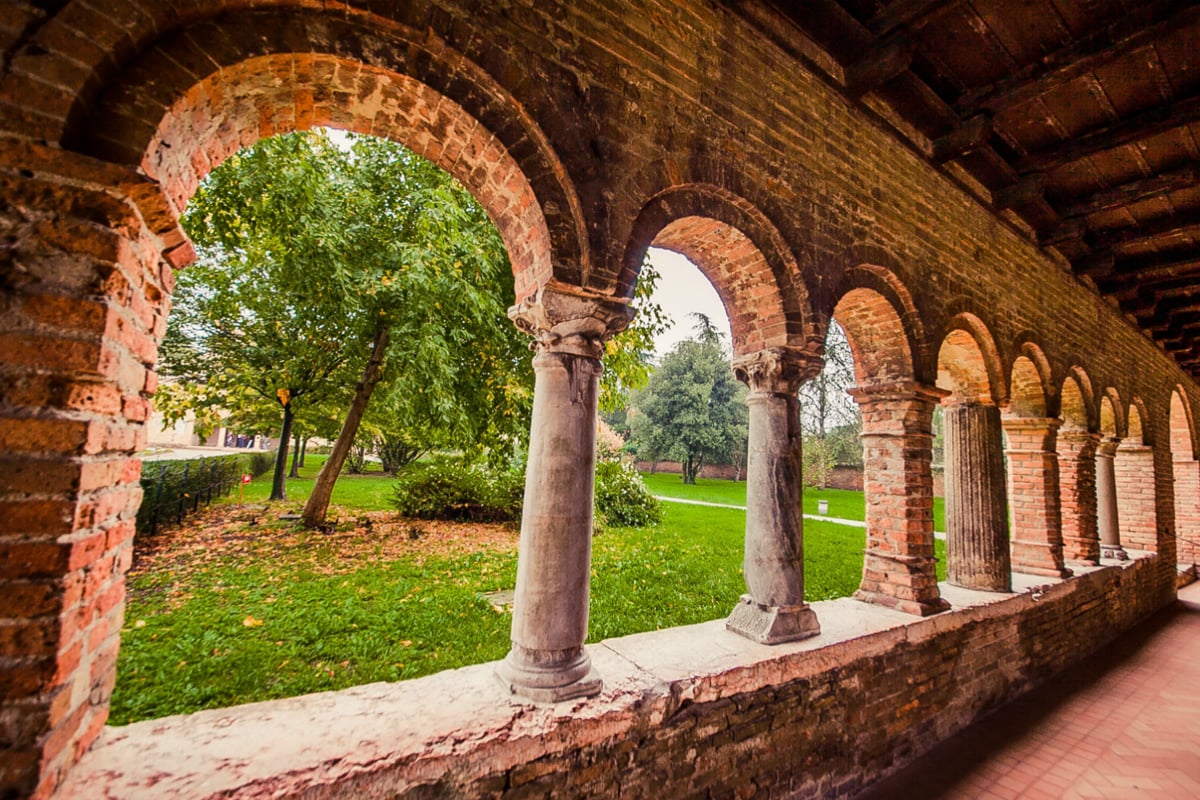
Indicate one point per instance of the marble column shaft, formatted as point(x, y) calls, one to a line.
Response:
point(547, 661)
point(899, 568)
point(1077, 493)
point(977, 551)
point(1033, 496)
point(773, 609)
point(1107, 519)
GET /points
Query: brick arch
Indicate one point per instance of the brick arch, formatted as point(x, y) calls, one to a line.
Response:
point(1137, 423)
point(1112, 416)
point(1030, 382)
point(258, 73)
point(1076, 401)
point(742, 255)
point(968, 362)
point(879, 342)
point(1182, 425)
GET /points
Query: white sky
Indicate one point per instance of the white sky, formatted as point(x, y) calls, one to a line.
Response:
point(681, 290)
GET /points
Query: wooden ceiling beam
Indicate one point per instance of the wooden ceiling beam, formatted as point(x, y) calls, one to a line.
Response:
point(1127, 131)
point(971, 135)
point(1140, 27)
point(1111, 238)
point(1026, 191)
point(1111, 275)
point(1133, 191)
point(880, 64)
point(906, 13)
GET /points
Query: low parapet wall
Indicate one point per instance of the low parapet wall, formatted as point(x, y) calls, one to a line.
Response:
point(683, 710)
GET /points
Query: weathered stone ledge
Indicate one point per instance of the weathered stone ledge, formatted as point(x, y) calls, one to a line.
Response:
point(460, 730)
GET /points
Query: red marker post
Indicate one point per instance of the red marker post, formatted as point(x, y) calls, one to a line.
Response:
point(242, 489)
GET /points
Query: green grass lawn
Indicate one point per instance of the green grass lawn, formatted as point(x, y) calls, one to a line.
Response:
point(370, 491)
point(842, 504)
point(270, 620)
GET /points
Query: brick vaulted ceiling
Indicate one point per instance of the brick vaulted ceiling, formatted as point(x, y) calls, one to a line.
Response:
point(1078, 118)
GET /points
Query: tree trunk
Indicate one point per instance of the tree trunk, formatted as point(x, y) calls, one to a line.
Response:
point(279, 482)
point(295, 471)
point(318, 502)
point(303, 450)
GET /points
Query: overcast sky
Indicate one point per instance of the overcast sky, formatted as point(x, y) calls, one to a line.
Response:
point(681, 290)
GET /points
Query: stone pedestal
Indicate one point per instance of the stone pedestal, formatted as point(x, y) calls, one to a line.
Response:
point(1106, 500)
point(1077, 495)
point(550, 608)
point(773, 609)
point(1033, 496)
point(977, 554)
point(899, 568)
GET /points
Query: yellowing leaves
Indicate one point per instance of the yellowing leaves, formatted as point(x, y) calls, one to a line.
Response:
point(251, 622)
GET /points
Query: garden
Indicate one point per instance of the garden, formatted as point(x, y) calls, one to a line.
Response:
point(236, 605)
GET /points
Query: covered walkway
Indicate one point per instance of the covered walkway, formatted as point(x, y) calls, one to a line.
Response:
point(1124, 724)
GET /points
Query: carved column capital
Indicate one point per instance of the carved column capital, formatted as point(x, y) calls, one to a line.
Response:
point(776, 370)
point(561, 322)
point(897, 392)
point(1079, 436)
point(1107, 448)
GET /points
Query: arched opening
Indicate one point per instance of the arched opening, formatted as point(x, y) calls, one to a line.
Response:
point(120, 241)
point(359, 291)
point(977, 547)
point(1077, 471)
point(899, 569)
point(743, 256)
point(1187, 479)
point(1033, 475)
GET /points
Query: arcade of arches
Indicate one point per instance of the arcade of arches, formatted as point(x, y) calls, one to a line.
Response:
point(589, 131)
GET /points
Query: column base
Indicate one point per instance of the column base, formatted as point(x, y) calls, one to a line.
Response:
point(1084, 562)
point(772, 624)
point(920, 608)
point(1113, 551)
point(552, 683)
point(1037, 558)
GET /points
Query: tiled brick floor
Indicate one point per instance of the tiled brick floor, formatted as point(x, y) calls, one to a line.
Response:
point(1124, 724)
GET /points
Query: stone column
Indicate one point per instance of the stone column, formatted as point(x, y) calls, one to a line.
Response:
point(1106, 500)
point(899, 569)
point(1077, 495)
point(1033, 496)
point(773, 609)
point(977, 555)
point(550, 609)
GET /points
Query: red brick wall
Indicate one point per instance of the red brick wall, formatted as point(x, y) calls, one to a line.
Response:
point(588, 128)
point(684, 713)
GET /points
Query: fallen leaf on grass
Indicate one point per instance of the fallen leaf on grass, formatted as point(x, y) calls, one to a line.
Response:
point(251, 622)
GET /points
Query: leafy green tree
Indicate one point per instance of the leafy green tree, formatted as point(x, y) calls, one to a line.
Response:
point(327, 271)
point(628, 357)
point(830, 419)
point(315, 258)
point(692, 408)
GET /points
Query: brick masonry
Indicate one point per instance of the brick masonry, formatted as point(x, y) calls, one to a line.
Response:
point(589, 130)
point(688, 712)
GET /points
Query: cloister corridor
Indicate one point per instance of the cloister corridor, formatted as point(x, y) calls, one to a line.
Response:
point(999, 203)
point(1127, 726)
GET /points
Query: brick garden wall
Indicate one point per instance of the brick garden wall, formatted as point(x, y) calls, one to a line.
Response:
point(685, 712)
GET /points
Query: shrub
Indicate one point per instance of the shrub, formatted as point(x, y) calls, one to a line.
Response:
point(454, 488)
point(622, 498)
